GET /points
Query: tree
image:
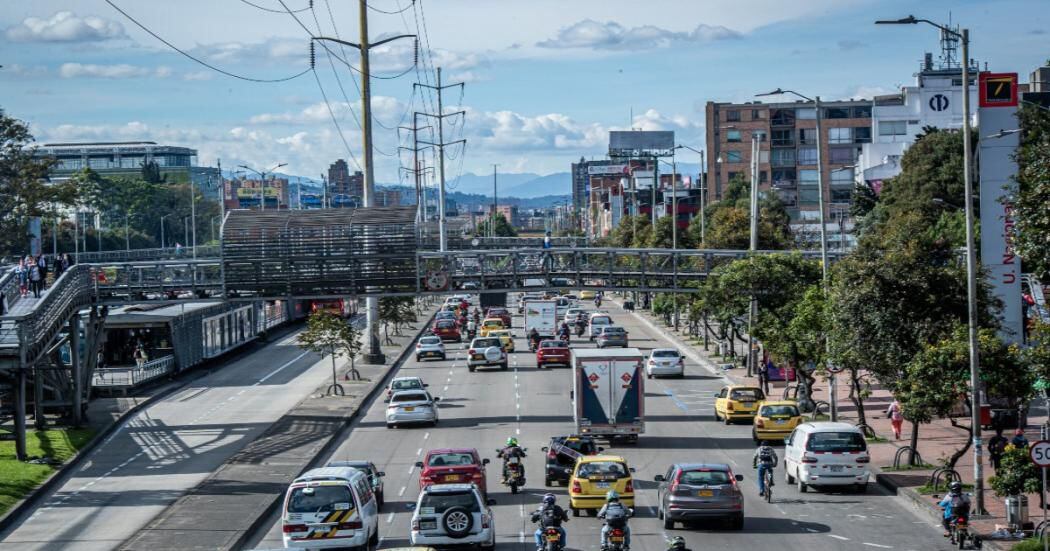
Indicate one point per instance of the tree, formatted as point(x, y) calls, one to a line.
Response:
point(1016, 474)
point(936, 381)
point(24, 190)
point(328, 333)
point(1031, 237)
point(503, 228)
point(151, 173)
point(396, 311)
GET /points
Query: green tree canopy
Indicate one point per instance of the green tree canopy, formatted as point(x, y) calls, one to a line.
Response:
point(503, 228)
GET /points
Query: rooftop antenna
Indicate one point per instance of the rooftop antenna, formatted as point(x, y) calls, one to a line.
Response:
point(950, 46)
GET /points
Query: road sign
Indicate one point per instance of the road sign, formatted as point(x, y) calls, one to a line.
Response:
point(998, 89)
point(1040, 453)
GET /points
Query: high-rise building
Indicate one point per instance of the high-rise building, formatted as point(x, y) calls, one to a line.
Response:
point(788, 143)
point(342, 183)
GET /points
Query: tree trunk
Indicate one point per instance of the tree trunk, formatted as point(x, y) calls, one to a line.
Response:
point(962, 451)
point(857, 396)
point(912, 459)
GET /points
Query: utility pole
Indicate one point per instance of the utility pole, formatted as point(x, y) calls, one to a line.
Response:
point(753, 308)
point(440, 116)
point(495, 203)
point(417, 171)
point(324, 191)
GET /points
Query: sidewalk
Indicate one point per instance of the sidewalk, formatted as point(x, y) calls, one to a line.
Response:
point(937, 440)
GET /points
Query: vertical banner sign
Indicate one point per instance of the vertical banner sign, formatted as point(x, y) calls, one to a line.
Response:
point(997, 112)
point(34, 236)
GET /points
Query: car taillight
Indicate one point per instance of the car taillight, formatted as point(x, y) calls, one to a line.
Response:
point(415, 524)
point(355, 525)
point(629, 488)
point(674, 486)
point(484, 521)
point(864, 459)
point(760, 423)
point(576, 489)
point(652, 362)
point(471, 351)
point(808, 459)
point(681, 361)
point(289, 528)
point(419, 345)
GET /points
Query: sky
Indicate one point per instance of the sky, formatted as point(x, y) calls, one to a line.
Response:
point(544, 80)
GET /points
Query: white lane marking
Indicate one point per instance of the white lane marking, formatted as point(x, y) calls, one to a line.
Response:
point(278, 370)
point(402, 492)
point(419, 452)
point(838, 537)
point(411, 468)
point(517, 431)
point(521, 536)
point(426, 435)
point(390, 517)
point(878, 545)
point(445, 389)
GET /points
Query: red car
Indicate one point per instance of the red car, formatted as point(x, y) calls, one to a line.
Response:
point(452, 466)
point(552, 352)
point(448, 330)
point(501, 313)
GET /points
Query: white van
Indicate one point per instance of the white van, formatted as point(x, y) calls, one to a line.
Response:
point(330, 507)
point(826, 454)
point(596, 322)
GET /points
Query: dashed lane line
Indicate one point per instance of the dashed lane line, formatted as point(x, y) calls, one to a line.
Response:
point(838, 537)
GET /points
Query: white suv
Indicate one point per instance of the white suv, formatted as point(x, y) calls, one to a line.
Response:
point(453, 514)
point(485, 351)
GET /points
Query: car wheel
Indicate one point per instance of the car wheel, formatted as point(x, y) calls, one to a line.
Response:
point(715, 413)
point(727, 420)
point(380, 499)
point(801, 485)
point(548, 482)
point(503, 365)
point(373, 541)
point(442, 357)
point(575, 512)
point(457, 522)
point(754, 436)
point(737, 523)
point(862, 488)
point(668, 523)
point(471, 368)
point(649, 375)
point(389, 425)
point(418, 359)
point(787, 476)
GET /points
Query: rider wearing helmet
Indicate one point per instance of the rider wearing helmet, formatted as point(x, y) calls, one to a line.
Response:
point(510, 450)
point(615, 515)
point(549, 515)
point(765, 458)
point(677, 543)
point(956, 504)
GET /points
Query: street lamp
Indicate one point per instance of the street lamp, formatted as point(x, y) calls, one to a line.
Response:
point(163, 244)
point(262, 178)
point(703, 189)
point(971, 252)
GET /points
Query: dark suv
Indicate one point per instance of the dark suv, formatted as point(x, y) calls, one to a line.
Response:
point(562, 454)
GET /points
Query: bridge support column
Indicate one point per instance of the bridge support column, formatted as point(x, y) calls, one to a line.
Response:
point(75, 368)
point(375, 352)
point(38, 397)
point(20, 415)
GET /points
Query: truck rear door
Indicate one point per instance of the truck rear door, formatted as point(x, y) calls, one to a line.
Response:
point(626, 391)
point(595, 399)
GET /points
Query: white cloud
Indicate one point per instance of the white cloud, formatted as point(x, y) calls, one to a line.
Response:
point(198, 75)
point(64, 26)
point(281, 49)
point(383, 107)
point(123, 70)
point(610, 35)
point(24, 71)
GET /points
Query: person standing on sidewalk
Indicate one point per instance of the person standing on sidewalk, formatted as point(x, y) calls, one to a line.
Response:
point(35, 278)
point(1019, 440)
point(896, 417)
point(996, 448)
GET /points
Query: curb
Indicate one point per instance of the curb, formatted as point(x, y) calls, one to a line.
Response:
point(336, 438)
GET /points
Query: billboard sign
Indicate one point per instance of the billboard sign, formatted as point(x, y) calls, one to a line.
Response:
point(606, 169)
point(998, 89)
point(641, 141)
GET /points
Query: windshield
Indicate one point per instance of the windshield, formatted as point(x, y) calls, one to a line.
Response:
point(493, 323)
point(836, 442)
point(779, 411)
point(665, 354)
point(409, 397)
point(320, 499)
point(585, 447)
point(613, 330)
point(603, 469)
point(704, 478)
point(552, 344)
point(601, 320)
point(436, 504)
point(450, 459)
point(430, 340)
point(405, 384)
point(485, 343)
point(747, 395)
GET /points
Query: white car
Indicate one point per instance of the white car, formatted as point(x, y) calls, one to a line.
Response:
point(570, 315)
point(596, 322)
point(486, 351)
point(827, 454)
point(411, 407)
point(330, 507)
point(453, 514)
point(665, 362)
point(430, 347)
point(398, 384)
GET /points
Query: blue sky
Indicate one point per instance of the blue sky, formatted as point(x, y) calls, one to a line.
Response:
point(546, 79)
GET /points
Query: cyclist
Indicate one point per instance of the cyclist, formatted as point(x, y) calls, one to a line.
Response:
point(765, 459)
point(956, 504)
point(615, 515)
point(549, 515)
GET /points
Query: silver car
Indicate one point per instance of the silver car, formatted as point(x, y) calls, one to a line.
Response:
point(690, 492)
point(665, 362)
point(430, 347)
point(612, 336)
point(410, 407)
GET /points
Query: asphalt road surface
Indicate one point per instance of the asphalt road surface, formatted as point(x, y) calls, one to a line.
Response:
point(168, 448)
point(482, 409)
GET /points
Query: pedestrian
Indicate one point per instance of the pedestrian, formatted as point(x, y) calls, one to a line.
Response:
point(22, 272)
point(140, 356)
point(60, 266)
point(34, 279)
point(178, 249)
point(996, 447)
point(41, 262)
point(896, 417)
point(1019, 440)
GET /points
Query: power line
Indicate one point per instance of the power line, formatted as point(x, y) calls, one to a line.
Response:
point(264, 8)
point(400, 10)
point(336, 122)
point(186, 54)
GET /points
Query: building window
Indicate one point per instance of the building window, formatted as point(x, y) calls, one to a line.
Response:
point(842, 177)
point(807, 177)
point(783, 117)
point(806, 114)
point(842, 155)
point(784, 177)
point(71, 164)
point(757, 114)
point(783, 137)
point(733, 157)
point(763, 176)
point(807, 155)
point(862, 112)
point(760, 134)
point(839, 135)
point(783, 157)
point(733, 136)
point(836, 113)
point(841, 195)
point(862, 134)
point(733, 175)
point(807, 135)
point(733, 115)
point(893, 128)
point(98, 163)
point(807, 195)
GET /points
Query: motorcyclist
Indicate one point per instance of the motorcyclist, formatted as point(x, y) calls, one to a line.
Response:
point(614, 512)
point(549, 515)
point(765, 459)
point(510, 450)
point(598, 301)
point(471, 328)
point(956, 504)
point(534, 339)
point(677, 543)
point(477, 315)
point(563, 333)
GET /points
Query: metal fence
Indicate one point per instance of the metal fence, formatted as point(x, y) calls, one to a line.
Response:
point(130, 377)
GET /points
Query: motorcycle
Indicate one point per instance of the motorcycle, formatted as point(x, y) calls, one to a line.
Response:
point(552, 539)
point(616, 540)
point(580, 328)
point(471, 333)
point(513, 472)
point(960, 534)
point(534, 343)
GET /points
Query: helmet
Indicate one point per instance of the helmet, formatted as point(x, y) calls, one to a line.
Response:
point(612, 496)
point(677, 542)
point(955, 487)
point(765, 444)
point(549, 499)
point(512, 441)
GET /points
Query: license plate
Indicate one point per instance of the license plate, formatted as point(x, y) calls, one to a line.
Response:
point(428, 525)
point(478, 356)
point(553, 537)
point(616, 539)
point(780, 421)
point(432, 354)
point(837, 468)
point(451, 478)
point(410, 408)
point(705, 493)
point(602, 484)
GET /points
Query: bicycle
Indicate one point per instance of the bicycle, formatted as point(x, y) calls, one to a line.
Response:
point(768, 479)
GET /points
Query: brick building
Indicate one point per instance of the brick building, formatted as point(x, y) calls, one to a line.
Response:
point(342, 182)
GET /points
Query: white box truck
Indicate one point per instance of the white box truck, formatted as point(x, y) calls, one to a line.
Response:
point(608, 392)
point(542, 315)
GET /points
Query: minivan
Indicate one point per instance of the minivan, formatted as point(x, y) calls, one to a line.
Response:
point(330, 507)
point(827, 454)
point(596, 322)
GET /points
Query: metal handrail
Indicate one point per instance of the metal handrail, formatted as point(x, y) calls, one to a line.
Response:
point(134, 375)
point(203, 251)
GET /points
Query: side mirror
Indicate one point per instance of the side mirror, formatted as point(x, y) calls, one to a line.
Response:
point(739, 477)
point(426, 385)
point(630, 469)
point(410, 506)
point(600, 449)
point(524, 449)
point(485, 461)
point(437, 398)
point(658, 478)
point(544, 448)
point(490, 501)
point(381, 473)
point(419, 464)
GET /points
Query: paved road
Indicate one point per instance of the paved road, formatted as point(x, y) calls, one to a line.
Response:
point(168, 448)
point(482, 409)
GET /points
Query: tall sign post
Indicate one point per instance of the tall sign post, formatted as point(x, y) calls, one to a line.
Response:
point(1039, 452)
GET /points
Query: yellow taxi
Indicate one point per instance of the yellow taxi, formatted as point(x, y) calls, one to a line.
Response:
point(506, 339)
point(587, 295)
point(775, 420)
point(593, 477)
point(490, 324)
point(735, 402)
